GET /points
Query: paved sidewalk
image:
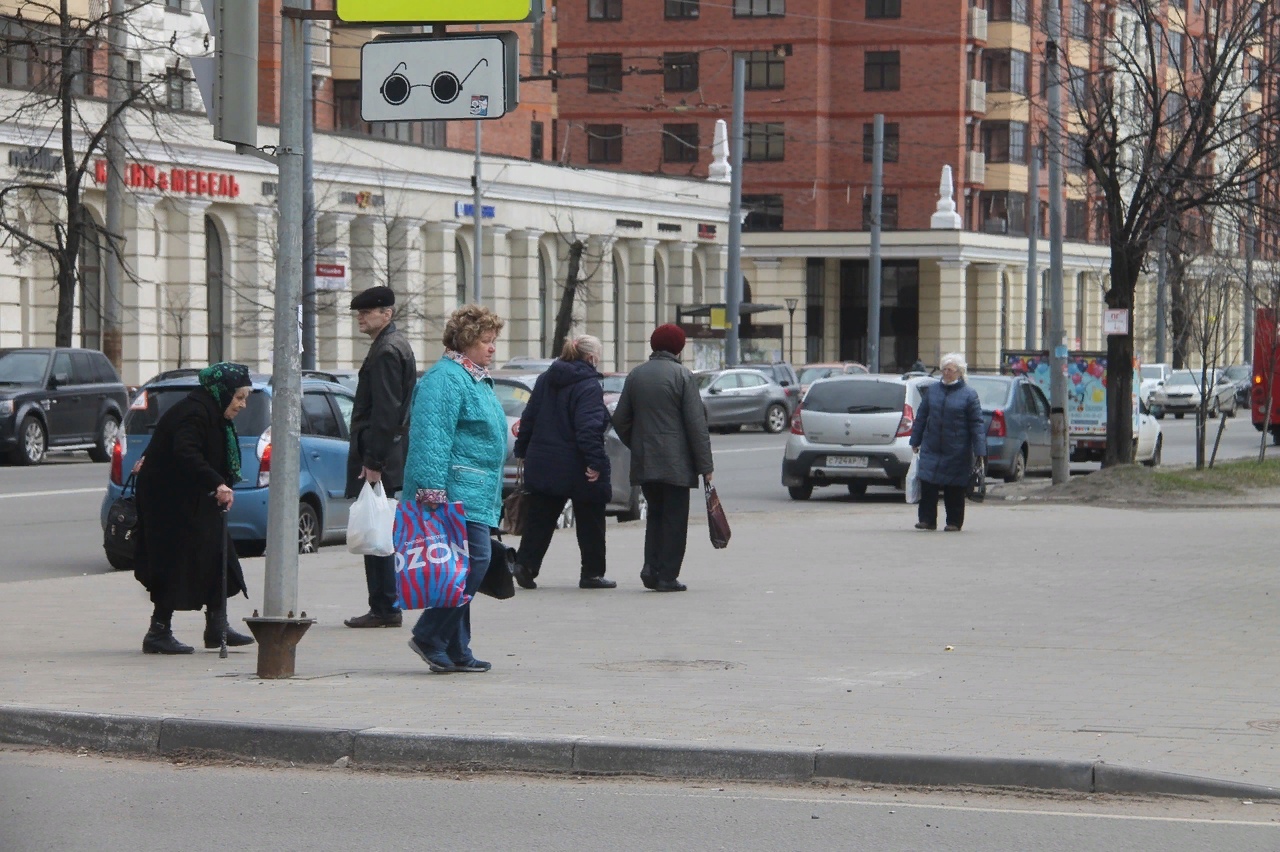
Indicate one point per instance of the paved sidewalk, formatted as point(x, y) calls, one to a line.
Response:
point(1052, 634)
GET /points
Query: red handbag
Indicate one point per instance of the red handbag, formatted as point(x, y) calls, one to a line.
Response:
point(717, 523)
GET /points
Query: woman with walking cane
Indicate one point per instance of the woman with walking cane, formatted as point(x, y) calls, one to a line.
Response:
point(185, 558)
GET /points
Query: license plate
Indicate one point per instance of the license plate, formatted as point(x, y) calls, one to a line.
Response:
point(846, 461)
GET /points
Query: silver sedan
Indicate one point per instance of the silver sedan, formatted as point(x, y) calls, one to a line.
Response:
point(737, 398)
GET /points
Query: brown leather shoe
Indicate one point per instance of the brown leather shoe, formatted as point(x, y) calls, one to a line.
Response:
point(371, 620)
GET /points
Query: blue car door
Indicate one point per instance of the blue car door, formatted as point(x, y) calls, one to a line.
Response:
point(324, 452)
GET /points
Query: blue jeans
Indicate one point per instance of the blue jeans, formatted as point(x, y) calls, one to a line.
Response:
point(448, 631)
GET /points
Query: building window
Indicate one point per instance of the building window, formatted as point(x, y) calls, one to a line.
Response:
point(680, 143)
point(604, 10)
point(460, 272)
point(346, 110)
point(1078, 22)
point(759, 8)
point(764, 142)
point(682, 8)
point(173, 5)
point(536, 132)
point(881, 71)
point(1077, 220)
point(1007, 71)
point(604, 143)
point(764, 212)
point(888, 212)
point(133, 77)
point(1176, 55)
point(679, 72)
point(1004, 141)
point(1075, 153)
point(890, 142)
point(175, 87)
point(604, 72)
point(765, 69)
point(1003, 212)
point(884, 9)
point(537, 45)
point(346, 105)
point(1007, 10)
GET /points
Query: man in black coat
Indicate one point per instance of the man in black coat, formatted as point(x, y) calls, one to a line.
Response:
point(378, 433)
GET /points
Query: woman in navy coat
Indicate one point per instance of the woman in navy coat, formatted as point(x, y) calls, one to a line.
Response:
point(948, 435)
point(561, 441)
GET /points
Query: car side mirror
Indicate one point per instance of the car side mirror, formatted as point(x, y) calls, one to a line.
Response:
point(55, 382)
point(713, 390)
point(785, 383)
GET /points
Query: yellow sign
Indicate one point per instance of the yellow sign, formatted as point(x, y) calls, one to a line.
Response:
point(719, 318)
point(433, 11)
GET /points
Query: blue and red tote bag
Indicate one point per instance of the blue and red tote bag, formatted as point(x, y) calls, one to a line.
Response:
point(431, 555)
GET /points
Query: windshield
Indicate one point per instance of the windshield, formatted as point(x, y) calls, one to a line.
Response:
point(1152, 372)
point(152, 403)
point(513, 398)
point(993, 393)
point(1238, 373)
point(856, 397)
point(613, 384)
point(705, 379)
point(809, 375)
point(22, 368)
point(1189, 378)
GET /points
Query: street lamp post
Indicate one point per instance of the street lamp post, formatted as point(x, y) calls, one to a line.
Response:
point(791, 328)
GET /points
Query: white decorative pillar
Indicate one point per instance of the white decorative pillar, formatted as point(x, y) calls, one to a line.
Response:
point(141, 350)
point(598, 260)
point(943, 297)
point(496, 288)
point(524, 320)
point(335, 324)
point(406, 277)
point(440, 260)
point(183, 300)
point(983, 314)
point(641, 309)
point(370, 267)
point(253, 271)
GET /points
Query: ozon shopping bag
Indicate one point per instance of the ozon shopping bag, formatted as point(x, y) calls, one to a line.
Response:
point(431, 555)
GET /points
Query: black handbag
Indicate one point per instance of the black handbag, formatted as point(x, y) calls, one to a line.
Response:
point(513, 509)
point(498, 582)
point(977, 489)
point(120, 535)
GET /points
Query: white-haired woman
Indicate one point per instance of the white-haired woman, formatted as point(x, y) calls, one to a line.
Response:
point(561, 441)
point(948, 436)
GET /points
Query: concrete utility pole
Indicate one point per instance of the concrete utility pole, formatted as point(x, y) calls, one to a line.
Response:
point(117, 95)
point(873, 271)
point(1059, 450)
point(1033, 246)
point(733, 280)
point(308, 207)
point(1162, 293)
point(1246, 341)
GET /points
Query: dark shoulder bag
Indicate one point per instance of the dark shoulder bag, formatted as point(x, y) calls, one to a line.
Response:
point(120, 536)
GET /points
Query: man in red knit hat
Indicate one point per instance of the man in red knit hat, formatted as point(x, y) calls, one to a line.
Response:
point(661, 419)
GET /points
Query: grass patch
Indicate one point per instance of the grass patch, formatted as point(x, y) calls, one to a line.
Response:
point(1229, 476)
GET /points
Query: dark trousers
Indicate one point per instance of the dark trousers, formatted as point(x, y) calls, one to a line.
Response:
point(541, 513)
point(380, 576)
point(666, 530)
point(952, 498)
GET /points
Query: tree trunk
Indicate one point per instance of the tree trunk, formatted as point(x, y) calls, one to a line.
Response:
point(1126, 262)
point(1179, 322)
point(564, 316)
point(69, 244)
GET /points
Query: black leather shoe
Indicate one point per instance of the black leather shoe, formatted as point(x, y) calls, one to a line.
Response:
point(160, 640)
point(669, 586)
point(951, 528)
point(369, 619)
point(213, 638)
point(596, 583)
point(523, 578)
point(924, 526)
point(650, 581)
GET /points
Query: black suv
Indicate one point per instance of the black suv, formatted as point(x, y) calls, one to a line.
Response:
point(58, 399)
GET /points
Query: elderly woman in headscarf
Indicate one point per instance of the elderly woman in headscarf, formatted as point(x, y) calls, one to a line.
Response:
point(184, 484)
point(949, 436)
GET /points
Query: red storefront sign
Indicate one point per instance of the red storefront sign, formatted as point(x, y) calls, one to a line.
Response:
point(188, 181)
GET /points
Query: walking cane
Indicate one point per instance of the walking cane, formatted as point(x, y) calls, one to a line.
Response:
point(222, 651)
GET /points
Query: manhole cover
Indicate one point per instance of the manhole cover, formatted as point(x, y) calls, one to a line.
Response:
point(1269, 725)
point(669, 666)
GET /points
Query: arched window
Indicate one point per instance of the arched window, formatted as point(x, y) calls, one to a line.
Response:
point(544, 293)
point(460, 260)
point(215, 290)
point(91, 285)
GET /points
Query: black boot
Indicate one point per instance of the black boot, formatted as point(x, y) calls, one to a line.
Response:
point(159, 640)
point(214, 620)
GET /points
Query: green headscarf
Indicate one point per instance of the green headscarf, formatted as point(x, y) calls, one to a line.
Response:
point(222, 380)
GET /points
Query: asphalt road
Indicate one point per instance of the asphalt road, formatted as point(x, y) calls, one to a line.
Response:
point(49, 514)
point(87, 802)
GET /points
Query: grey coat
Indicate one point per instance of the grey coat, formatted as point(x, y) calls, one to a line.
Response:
point(383, 396)
point(661, 419)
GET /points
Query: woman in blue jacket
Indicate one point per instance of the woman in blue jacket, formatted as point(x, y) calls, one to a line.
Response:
point(561, 441)
point(457, 446)
point(948, 435)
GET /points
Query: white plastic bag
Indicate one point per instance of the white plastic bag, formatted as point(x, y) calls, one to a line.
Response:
point(371, 523)
point(912, 482)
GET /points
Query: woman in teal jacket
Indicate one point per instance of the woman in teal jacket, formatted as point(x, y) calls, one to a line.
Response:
point(457, 446)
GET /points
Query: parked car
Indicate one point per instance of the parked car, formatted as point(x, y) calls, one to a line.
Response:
point(785, 375)
point(528, 364)
point(1181, 394)
point(58, 399)
point(1240, 375)
point(740, 397)
point(1153, 377)
point(853, 431)
point(810, 373)
point(326, 422)
point(627, 503)
point(1149, 442)
point(1016, 416)
point(612, 385)
point(347, 378)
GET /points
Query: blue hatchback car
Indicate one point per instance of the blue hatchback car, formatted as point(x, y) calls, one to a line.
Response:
point(326, 421)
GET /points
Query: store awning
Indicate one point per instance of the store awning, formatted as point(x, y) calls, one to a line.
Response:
point(744, 309)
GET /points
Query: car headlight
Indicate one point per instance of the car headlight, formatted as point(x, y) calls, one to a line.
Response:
point(6, 407)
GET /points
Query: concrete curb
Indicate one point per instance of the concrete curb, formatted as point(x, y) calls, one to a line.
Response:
point(386, 747)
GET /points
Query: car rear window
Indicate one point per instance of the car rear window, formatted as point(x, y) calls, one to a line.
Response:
point(856, 397)
point(992, 392)
point(152, 403)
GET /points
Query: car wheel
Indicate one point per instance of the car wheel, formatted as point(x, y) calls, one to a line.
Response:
point(108, 431)
point(120, 563)
point(800, 492)
point(1157, 413)
point(1232, 412)
point(775, 419)
point(857, 489)
point(1212, 413)
point(1154, 461)
point(32, 442)
point(308, 528)
point(566, 520)
point(1018, 468)
point(638, 510)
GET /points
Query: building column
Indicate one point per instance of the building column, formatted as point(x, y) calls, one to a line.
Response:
point(1015, 306)
point(335, 326)
point(253, 271)
point(405, 277)
point(139, 300)
point(370, 267)
point(680, 274)
point(985, 307)
point(943, 296)
point(640, 307)
point(496, 257)
point(183, 302)
point(523, 331)
point(440, 262)
point(599, 314)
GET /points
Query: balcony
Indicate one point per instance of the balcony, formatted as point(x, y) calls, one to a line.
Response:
point(977, 24)
point(977, 96)
point(976, 167)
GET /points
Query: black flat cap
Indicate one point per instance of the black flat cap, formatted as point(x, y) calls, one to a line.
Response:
point(374, 297)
